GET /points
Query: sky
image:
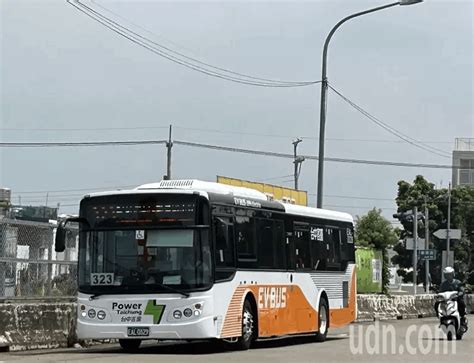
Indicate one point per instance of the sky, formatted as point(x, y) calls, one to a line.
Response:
point(65, 77)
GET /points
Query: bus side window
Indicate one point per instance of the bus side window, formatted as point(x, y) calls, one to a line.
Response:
point(302, 250)
point(246, 241)
point(332, 239)
point(347, 247)
point(318, 248)
point(224, 246)
point(265, 238)
point(279, 245)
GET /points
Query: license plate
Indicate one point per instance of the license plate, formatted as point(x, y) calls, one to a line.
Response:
point(138, 332)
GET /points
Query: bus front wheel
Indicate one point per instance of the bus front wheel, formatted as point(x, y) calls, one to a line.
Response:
point(248, 327)
point(323, 320)
point(130, 345)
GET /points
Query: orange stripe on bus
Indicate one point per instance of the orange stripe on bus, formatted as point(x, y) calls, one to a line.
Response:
point(344, 316)
point(297, 316)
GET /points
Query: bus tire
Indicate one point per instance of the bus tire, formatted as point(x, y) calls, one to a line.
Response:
point(130, 345)
point(248, 327)
point(323, 320)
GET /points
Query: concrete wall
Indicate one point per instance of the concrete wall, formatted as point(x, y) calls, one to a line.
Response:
point(37, 325)
point(382, 307)
point(52, 325)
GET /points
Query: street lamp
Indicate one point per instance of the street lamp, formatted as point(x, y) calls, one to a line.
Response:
point(324, 89)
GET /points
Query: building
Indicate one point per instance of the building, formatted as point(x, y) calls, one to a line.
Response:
point(463, 162)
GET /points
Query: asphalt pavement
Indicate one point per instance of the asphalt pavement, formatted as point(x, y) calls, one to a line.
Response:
point(414, 340)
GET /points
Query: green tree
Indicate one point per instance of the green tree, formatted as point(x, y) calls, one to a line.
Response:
point(374, 231)
point(421, 193)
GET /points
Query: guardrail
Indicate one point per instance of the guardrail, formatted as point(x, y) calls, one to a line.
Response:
point(48, 324)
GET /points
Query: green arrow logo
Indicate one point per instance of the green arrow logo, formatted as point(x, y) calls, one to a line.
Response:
point(154, 310)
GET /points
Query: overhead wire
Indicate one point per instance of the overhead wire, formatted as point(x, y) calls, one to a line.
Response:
point(229, 132)
point(195, 59)
point(390, 129)
point(226, 148)
point(152, 46)
point(311, 157)
point(84, 129)
point(80, 143)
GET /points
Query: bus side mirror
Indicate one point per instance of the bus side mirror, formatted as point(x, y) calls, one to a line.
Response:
point(61, 232)
point(60, 241)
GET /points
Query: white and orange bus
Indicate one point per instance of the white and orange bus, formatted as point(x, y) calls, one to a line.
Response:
point(187, 259)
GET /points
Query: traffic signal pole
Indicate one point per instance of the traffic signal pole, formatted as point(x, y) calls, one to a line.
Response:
point(427, 247)
point(169, 146)
point(415, 247)
point(448, 230)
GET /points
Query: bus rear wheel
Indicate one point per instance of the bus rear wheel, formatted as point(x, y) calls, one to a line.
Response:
point(248, 327)
point(323, 320)
point(130, 345)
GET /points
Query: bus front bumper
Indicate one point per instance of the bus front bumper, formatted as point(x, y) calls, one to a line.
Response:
point(204, 328)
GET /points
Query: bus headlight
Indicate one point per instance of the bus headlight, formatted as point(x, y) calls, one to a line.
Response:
point(91, 313)
point(177, 314)
point(101, 315)
point(188, 312)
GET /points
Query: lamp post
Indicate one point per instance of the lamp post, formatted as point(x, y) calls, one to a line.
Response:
point(324, 89)
point(298, 161)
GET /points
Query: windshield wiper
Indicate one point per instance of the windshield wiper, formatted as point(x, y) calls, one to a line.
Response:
point(127, 289)
point(111, 292)
point(95, 296)
point(168, 288)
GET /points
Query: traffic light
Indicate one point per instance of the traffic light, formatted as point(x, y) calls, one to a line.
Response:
point(407, 216)
point(404, 216)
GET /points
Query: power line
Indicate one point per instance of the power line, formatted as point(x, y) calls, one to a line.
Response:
point(225, 148)
point(85, 129)
point(311, 157)
point(139, 26)
point(191, 58)
point(229, 132)
point(390, 129)
point(79, 143)
point(302, 136)
point(145, 43)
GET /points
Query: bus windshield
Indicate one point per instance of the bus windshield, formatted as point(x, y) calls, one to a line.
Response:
point(157, 258)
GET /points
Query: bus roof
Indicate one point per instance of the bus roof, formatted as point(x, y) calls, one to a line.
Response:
point(209, 187)
point(204, 187)
point(317, 213)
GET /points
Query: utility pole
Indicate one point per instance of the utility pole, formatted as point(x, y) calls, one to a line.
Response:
point(169, 145)
point(427, 247)
point(415, 247)
point(448, 230)
point(324, 90)
point(298, 161)
point(447, 261)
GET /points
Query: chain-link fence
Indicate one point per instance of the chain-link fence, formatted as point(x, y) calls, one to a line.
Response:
point(29, 266)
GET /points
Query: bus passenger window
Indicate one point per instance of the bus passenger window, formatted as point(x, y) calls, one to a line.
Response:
point(332, 239)
point(224, 237)
point(265, 243)
point(302, 251)
point(245, 240)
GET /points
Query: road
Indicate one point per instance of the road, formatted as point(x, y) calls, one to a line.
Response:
point(405, 341)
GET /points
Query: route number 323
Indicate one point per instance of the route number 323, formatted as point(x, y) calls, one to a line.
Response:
point(102, 278)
